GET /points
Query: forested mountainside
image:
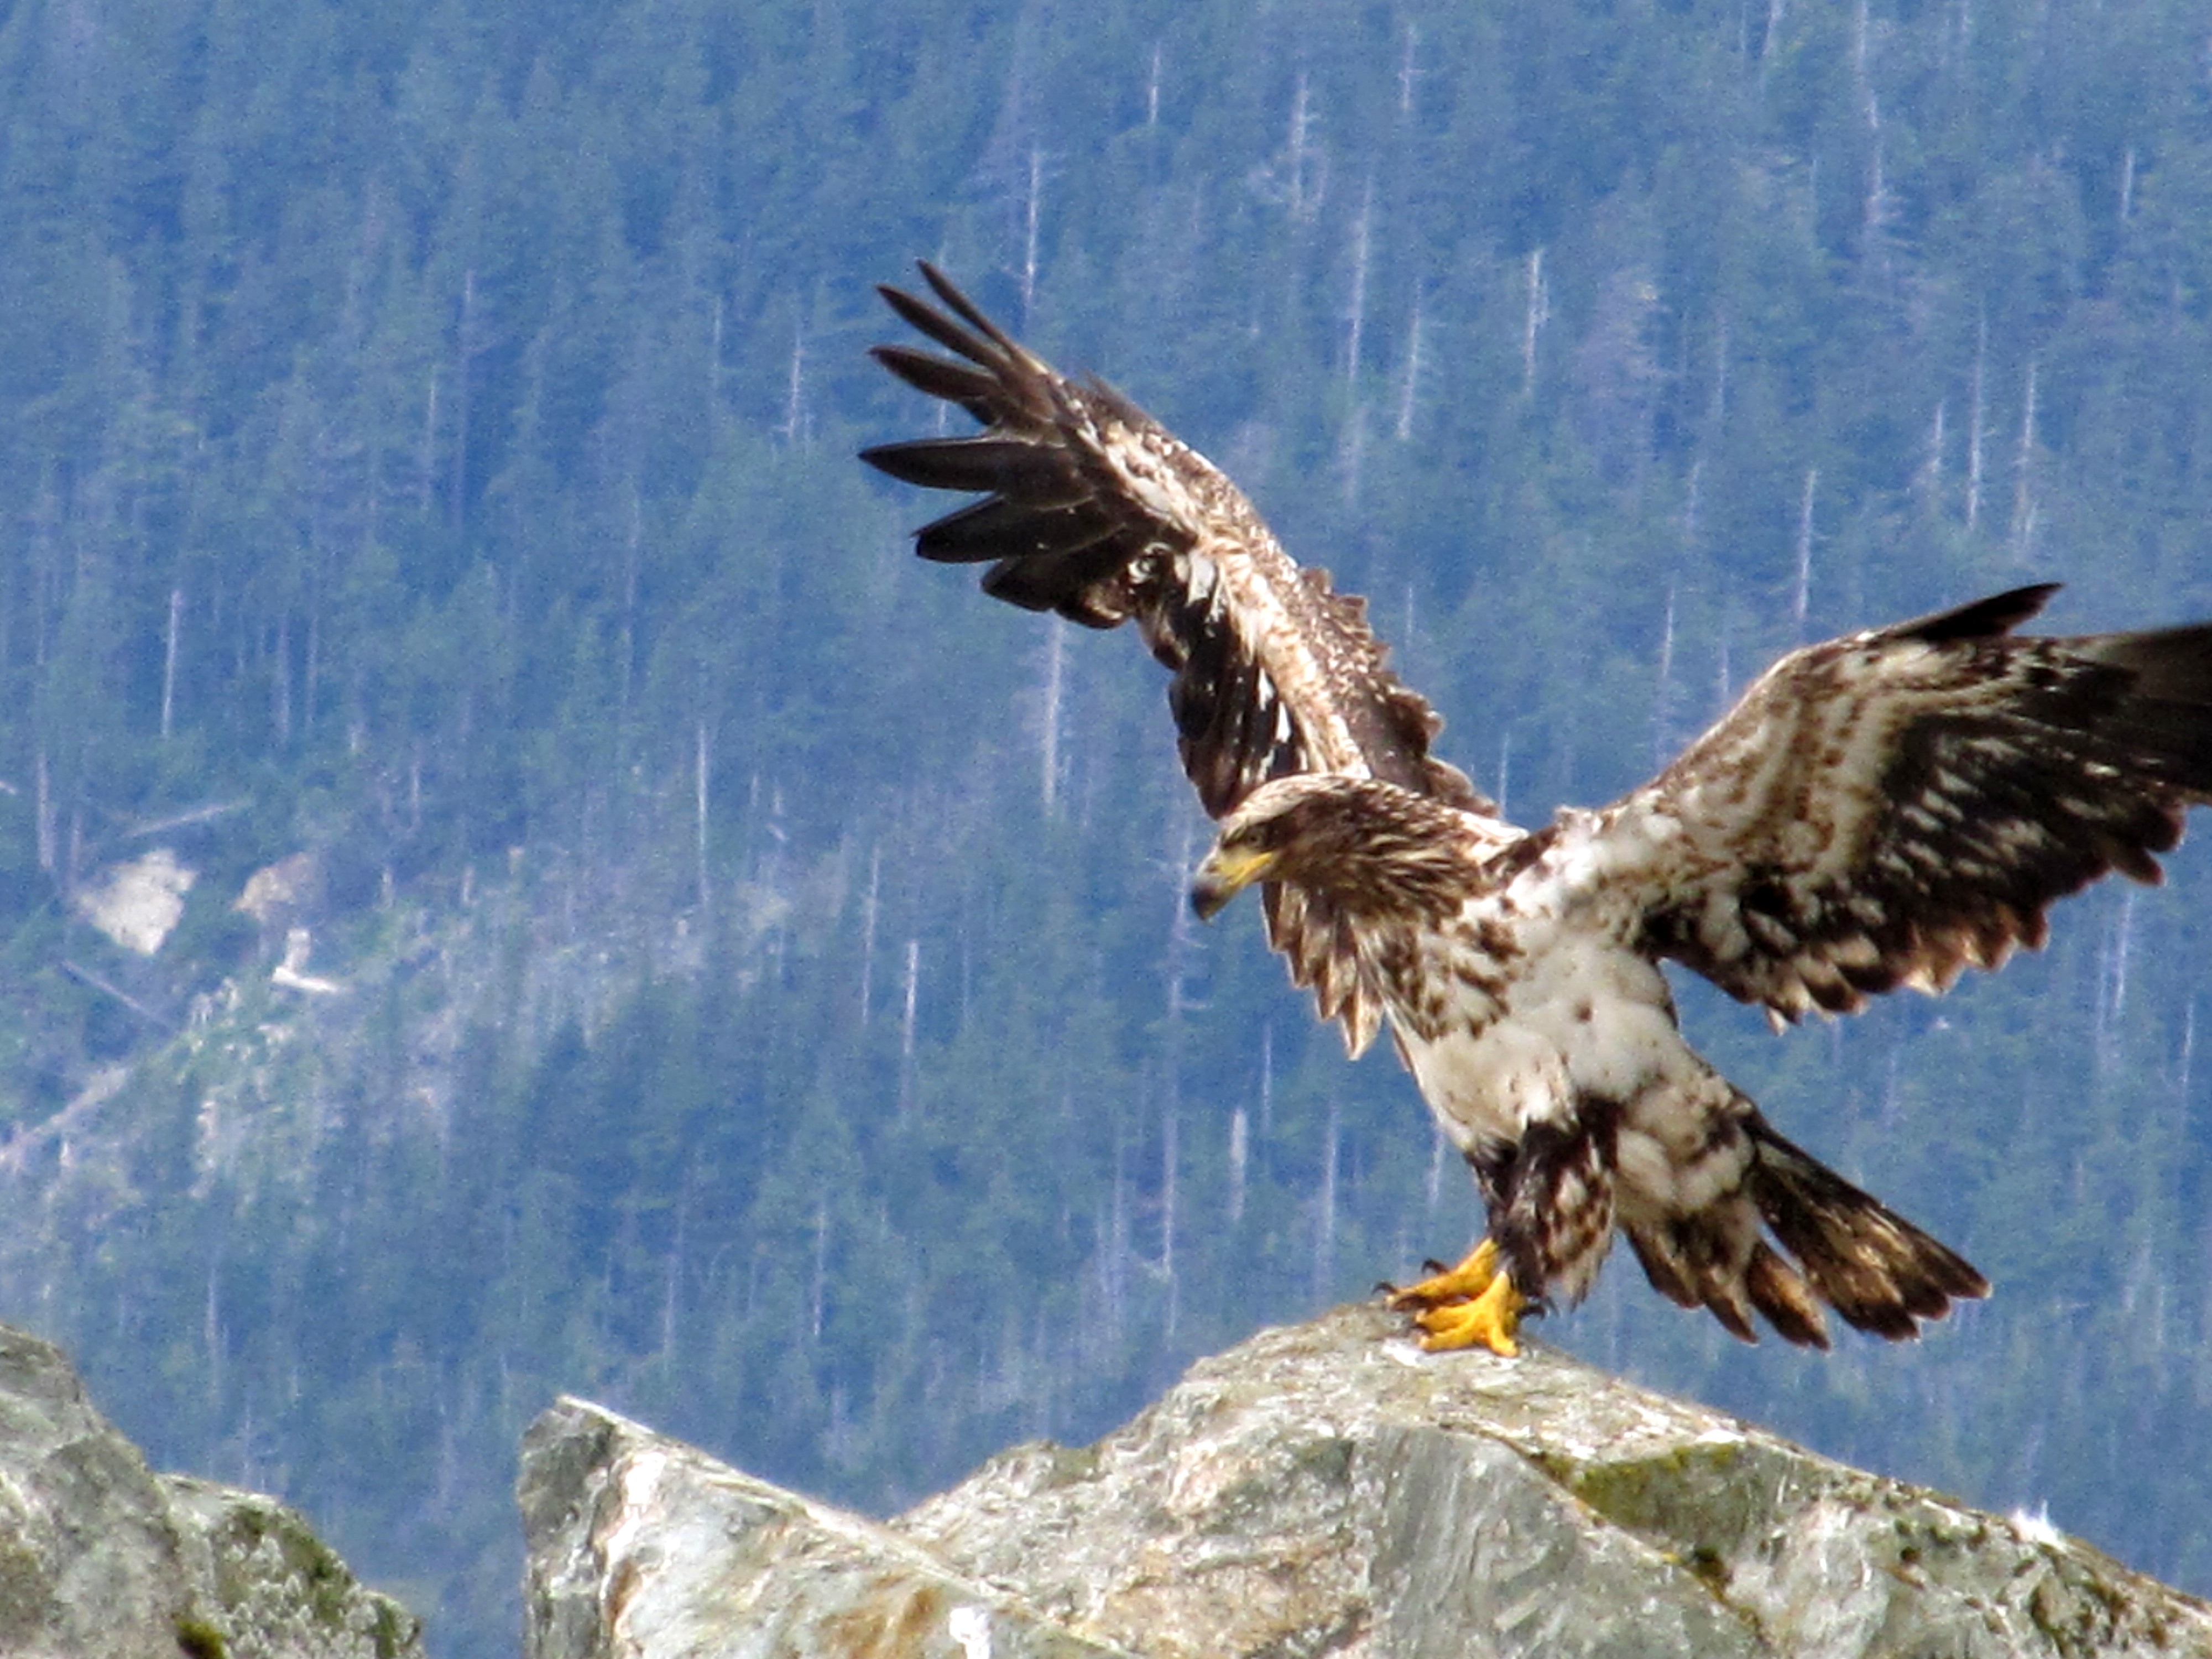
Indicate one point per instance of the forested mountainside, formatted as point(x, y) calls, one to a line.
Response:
point(712, 963)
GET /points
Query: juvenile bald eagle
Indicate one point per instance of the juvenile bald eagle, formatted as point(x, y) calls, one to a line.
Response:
point(1885, 809)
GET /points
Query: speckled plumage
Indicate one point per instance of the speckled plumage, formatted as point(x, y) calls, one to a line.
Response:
point(1884, 809)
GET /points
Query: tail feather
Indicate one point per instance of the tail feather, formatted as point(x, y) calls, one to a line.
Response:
point(1700, 1261)
point(1877, 1270)
point(1780, 1292)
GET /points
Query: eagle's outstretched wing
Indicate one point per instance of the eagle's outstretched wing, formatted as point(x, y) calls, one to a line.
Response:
point(1095, 511)
point(1893, 806)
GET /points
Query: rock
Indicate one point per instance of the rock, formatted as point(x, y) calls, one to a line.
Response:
point(279, 893)
point(137, 903)
point(1329, 1489)
point(646, 1548)
point(1331, 1485)
point(99, 1557)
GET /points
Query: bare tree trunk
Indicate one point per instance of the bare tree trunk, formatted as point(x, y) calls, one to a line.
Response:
point(1033, 213)
point(43, 812)
point(1114, 1257)
point(1170, 1161)
point(714, 358)
point(427, 462)
point(2112, 1001)
point(907, 1028)
point(1875, 211)
point(211, 1331)
point(702, 762)
point(280, 686)
point(794, 430)
point(1356, 322)
point(633, 554)
point(1931, 469)
point(169, 661)
point(1539, 313)
point(868, 931)
point(1974, 426)
point(1303, 193)
point(466, 351)
point(1409, 386)
point(1240, 1153)
point(1802, 599)
point(2023, 498)
point(313, 668)
point(1874, 229)
point(818, 1285)
point(2187, 1049)
point(1352, 454)
point(1054, 681)
point(1181, 947)
point(1718, 412)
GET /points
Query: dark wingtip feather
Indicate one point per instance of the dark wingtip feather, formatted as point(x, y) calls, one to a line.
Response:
point(997, 528)
point(966, 309)
point(940, 377)
point(905, 459)
point(1033, 473)
point(925, 319)
point(2000, 613)
point(1065, 584)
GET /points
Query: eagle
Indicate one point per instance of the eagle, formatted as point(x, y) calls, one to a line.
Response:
point(1885, 809)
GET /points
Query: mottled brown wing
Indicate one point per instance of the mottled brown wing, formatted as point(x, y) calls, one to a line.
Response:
point(1094, 510)
point(1895, 807)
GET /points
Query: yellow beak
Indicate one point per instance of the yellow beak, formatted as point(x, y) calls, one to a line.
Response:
point(1227, 872)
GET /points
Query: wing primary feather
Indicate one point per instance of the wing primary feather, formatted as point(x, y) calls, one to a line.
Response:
point(940, 328)
point(967, 311)
point(1997, 615)
point(941, 377)
point(999, 529)
point(1078, 585)
point(1033, 474)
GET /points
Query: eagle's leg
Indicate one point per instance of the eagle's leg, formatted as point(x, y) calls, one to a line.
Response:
point(1463, 1283)
point(1490, 1320)
point(1473, 1304)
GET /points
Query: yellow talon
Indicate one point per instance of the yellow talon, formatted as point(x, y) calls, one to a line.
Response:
point(1470, 1278)
point(1490, 1320)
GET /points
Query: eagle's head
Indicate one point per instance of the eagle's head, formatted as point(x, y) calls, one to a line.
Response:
point(1367, 846)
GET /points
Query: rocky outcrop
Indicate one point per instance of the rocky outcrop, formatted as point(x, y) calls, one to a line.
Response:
point(1325, 1489)
point(640, 1546)
point(101, 1557)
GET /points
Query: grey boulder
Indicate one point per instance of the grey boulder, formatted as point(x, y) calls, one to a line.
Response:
point(101, 1557)
point(1325, 1489)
